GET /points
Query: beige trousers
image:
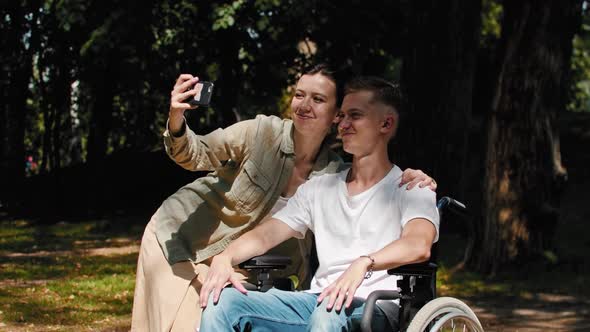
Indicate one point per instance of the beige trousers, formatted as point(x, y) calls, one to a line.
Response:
point(166, 297)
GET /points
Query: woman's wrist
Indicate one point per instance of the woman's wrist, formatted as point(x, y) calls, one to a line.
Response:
point(176, 124)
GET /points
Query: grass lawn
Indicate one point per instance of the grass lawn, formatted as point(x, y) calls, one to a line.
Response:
point(67, 277)
point(80, 277)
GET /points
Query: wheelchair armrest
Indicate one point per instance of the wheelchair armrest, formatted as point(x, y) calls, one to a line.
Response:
point(370, 306)
point(266, 262)
point(425, 269)
point(448, 204)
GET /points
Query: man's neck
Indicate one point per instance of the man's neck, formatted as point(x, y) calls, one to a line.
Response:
point(367, 171)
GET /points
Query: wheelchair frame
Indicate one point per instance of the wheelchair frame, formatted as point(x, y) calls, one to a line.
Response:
point(420, 310)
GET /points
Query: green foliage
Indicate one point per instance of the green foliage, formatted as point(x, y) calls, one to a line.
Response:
point(580, 66)
point(71, 13)
point(132, 52)
point(99, 39)
point(491, 27)
point(225, 14)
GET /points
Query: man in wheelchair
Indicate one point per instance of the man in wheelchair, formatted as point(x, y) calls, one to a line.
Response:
point(363, 223)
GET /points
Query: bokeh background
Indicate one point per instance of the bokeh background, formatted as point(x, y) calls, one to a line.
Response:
point(498, 112)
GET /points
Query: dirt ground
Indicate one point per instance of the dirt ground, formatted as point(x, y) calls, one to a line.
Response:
point(562, 308)
point(542, 312)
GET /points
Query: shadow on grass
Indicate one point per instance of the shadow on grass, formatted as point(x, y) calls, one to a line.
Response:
point(48, 277)
point(534, 297)
point(45, 311)
point(65, 289)
point(48, 268)
point(24, 236)
point(77, 290)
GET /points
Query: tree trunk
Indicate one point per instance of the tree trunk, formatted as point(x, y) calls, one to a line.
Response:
point(47, 110)
point(523, 162)
point(101, 81)
point(437, 75)
point(15, 92)
point(226, 98)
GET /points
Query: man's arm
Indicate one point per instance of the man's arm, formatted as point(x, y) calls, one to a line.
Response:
point(253, 243)
point(412, 247)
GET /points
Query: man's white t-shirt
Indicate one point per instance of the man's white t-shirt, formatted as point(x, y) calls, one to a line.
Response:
point(346, 227)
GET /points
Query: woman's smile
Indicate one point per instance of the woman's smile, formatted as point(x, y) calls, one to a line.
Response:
point(304, 115)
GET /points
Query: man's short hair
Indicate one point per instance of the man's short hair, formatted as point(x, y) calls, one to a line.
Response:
point(385, 92)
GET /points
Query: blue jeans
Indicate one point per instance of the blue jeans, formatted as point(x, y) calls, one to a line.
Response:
point(284, 311)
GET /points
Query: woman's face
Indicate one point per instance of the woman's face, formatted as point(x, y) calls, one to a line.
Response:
point(313, 107)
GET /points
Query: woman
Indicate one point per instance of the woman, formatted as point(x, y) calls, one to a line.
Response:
point(257, 164)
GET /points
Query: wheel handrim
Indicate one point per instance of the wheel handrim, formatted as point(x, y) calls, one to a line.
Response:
point(458, 322)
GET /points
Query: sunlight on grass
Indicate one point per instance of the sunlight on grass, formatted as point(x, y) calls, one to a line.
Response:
point(23, 236)
point(51, 281)
point(531, 281)
point(67, 302)
point(43, 268)
point(64, 290)
point(466, 284)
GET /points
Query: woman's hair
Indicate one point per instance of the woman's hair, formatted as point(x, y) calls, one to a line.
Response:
point(339, 77)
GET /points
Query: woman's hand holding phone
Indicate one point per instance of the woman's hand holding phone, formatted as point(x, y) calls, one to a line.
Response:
point(183, 91)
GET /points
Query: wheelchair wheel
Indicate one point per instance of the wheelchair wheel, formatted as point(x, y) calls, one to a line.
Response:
point(445, 314)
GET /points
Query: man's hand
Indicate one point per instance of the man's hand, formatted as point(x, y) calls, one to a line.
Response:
point(221, 273)
point(346, 285)
point(416, 176)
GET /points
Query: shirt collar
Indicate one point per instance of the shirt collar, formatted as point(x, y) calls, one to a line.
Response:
point(287, 145)
point(322, 159)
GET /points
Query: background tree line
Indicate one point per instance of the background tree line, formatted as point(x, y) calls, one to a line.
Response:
point(86, 84)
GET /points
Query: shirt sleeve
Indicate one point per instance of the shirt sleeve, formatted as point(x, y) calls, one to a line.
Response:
point(207, 152)
point(297, 214)
point(419, 203)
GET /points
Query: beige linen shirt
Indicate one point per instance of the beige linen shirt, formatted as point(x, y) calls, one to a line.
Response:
point(251, 162)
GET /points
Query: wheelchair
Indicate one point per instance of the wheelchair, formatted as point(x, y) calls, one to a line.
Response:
point(419, 308)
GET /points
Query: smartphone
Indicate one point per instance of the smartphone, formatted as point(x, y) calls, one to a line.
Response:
point(204, 93)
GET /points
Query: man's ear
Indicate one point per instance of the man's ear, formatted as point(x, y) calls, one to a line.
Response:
point(388, 123)
point(337, 117)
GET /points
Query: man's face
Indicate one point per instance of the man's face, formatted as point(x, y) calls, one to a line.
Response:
point(363, 123)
